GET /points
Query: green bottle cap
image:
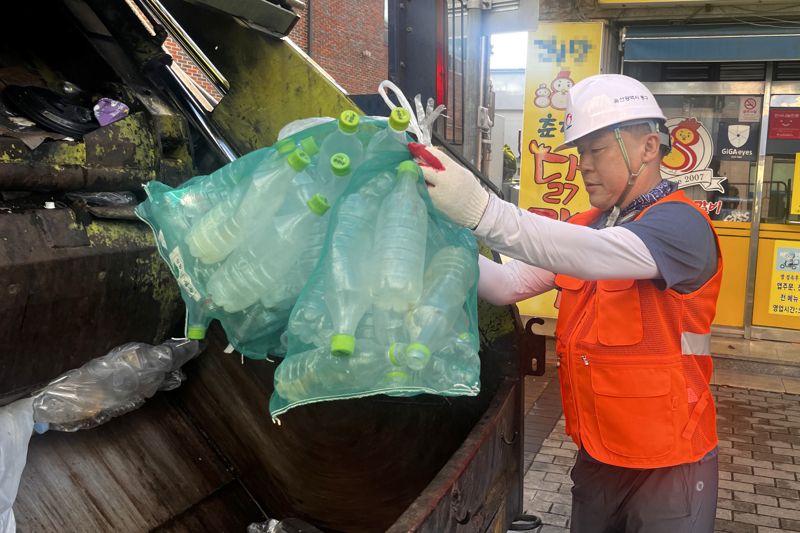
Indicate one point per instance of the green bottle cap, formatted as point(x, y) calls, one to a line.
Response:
point(408, 166)
point(318, 204)
point(421, 348)
point(399, 119)
point(340, 164)
point(285, 146)
point(309, 146)
point(298, 160)
point(393, 355)
point(396, 376)
point(343, 345)
point(196, 333)
point(348, 121)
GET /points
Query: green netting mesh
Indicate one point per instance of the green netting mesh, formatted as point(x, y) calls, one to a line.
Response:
point(326, 249)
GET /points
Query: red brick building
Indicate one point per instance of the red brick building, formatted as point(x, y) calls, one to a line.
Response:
point(348, 39)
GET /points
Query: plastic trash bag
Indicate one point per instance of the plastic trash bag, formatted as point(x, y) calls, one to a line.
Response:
point(351, 334)
point(111, 385)
point(16, 427)
point(244, 252)
point(287, 525)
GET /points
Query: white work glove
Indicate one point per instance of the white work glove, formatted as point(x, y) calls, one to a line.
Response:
point(454, 190)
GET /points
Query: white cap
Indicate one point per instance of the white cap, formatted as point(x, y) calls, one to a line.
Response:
point(604, 100)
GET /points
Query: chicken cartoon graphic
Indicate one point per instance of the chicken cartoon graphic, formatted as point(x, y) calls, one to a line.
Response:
point(542, 98)
point(683, 157)
point(560, 86)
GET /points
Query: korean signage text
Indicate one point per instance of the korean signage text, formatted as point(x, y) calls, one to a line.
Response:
point(559, 55)
point(784, 290)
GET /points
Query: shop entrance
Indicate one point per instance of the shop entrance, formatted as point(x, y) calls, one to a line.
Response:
point(734, 153)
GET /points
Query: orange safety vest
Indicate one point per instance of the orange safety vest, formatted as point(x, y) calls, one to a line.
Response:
point(634, 365)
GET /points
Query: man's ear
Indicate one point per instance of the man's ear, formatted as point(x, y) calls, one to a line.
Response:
point(652, 148)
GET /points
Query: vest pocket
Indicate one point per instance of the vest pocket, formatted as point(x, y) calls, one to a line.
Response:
point(634, 409)
point(619, 313)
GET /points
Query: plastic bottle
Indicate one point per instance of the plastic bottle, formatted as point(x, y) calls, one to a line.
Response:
point(448, 279)
point(456, 366)
point(310, 321)
point(344, 140)
point(349, 261)
point(257, 268)
point(199, 195)
point(400, 241)
point(393, 138)
point(226, 225)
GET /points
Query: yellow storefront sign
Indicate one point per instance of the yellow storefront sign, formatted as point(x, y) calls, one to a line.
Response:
point(559, 55)
point(784, 288)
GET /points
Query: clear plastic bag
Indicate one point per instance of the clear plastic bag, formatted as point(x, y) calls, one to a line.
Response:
point(111, 385)
point(16, 426)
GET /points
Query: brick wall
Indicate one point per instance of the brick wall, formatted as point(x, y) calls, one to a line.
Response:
point(182, 59)
point(348, 41)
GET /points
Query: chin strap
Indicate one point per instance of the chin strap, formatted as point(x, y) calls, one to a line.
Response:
point(614, 215)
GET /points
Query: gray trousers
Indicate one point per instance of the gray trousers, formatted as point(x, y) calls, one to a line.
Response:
point(610, 499)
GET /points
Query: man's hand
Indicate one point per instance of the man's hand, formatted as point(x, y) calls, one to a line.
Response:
point(453, 189)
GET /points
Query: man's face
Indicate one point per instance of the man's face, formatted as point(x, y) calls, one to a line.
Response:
point(603, 167)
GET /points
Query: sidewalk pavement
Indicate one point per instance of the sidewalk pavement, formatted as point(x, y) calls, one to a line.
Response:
point(759, 456)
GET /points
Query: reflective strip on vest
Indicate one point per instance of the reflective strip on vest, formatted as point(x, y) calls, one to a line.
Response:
point(695, 343)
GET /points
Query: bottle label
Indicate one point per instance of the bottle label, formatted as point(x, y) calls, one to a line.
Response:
point(185, 282)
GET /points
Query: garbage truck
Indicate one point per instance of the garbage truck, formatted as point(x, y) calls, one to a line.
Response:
point(80, 274)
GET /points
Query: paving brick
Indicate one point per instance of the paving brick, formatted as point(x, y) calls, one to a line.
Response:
point(561, 509)
point(568, 461)
point(788, 484)
point(774, 457)
point(735, 452)
point(540, 484)
point(779, 512)
point(776, 491)
point(543, 458)
point(777, 474)
point(789, 503)
point(737, 486)
point(735, 505)
point(734, 527)
point(752, 447)
point(555, 497)
point(787, 467)
point(752, 462)
point(730, 467)
point(553, 529)
point(549, 450)
point(790, 525)
point(558, 478)
point(534, 506)
point(549, 467)
point(755, 480)
point(755, 519)
point(724, 514)
point(557, 520)
point(725, 475)
point(762, 499)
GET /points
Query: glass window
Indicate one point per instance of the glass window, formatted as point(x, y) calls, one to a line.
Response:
point(783, 142)
point(714, 151)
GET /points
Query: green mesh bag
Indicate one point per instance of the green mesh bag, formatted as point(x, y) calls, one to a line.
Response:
point(339, 263)
point(391, 307)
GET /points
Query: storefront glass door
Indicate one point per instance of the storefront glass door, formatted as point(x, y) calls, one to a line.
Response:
point(776, 302)
point(715, 129)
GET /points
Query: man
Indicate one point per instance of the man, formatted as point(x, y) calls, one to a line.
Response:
point(639, 276)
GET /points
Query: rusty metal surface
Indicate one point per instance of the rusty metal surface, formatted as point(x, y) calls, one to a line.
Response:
point(129, 475)
point(350, 465)
point(481, 485)
point(70, 293)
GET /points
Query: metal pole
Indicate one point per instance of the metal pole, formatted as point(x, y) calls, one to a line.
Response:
point(472, 81)
point(755, 219)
